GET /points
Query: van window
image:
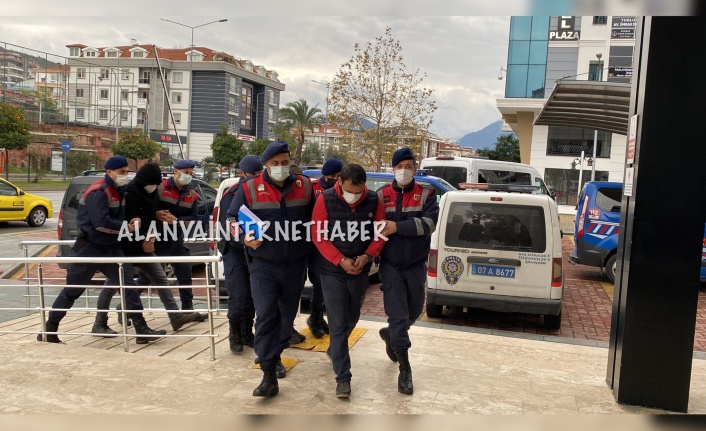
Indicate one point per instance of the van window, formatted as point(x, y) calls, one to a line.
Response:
point(452, 174)
point(492, 226)
point(608, 199)
point(493, 176)
point(74, 195)
point(542, 187)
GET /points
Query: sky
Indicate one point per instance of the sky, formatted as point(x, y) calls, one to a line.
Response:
point(461, 56)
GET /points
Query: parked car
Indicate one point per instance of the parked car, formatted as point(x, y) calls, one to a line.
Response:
point(67, 229)
point(16, 205)
point(497, 250)
point(597, 226)
point(459, 170)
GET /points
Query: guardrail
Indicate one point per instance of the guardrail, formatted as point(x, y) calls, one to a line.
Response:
point(121, 261)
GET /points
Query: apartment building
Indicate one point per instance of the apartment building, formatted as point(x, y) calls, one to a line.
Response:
point(198, 90)
point(15, 68)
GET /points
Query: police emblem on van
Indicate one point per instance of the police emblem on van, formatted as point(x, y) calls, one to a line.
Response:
point(452, 268)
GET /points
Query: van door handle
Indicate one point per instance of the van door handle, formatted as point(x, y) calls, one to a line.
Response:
point(494, 261)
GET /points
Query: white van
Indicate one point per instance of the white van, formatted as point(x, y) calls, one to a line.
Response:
point(497, 250)
point(459, 170)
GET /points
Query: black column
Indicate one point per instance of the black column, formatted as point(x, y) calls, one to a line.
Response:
point(659, 250)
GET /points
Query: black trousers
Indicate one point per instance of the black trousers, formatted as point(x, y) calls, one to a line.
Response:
point(237, 278)
point(403, 296)
point(317, 295)
point(82, 273)
point(342, 296)
point(276, 291)
point(182, 271)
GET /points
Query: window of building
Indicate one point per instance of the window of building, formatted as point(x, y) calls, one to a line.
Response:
point(137, 54)
point(600, 20)
point(565, 182)
point(104, 93)
point(125, 74)
point(124, 94)
point(271, 97)
point(124, 115)
point(103, 114)
point(177, 77)
point(81, 73)
point(79, 92)
point(233, 84)
point(80, 112)
point(232, 124)
point(246, 106)
point(89, 54)
point(527, 56)
point(74, 52)
point(145, 79)
point(176, 97)
point(177, 117)
point(105, 73)
point(271, 115)
point(233, 104)
point(594, 71)
point(111, 54)
point(570, 141)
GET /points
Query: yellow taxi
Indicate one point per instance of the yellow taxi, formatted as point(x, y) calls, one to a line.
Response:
point(16, 205)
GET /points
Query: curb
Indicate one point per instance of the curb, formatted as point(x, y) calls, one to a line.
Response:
point(21, 266)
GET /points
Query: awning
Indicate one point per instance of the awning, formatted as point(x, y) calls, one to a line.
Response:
point(588, 104)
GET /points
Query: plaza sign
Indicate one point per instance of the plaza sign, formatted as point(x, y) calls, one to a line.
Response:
point(565, 29)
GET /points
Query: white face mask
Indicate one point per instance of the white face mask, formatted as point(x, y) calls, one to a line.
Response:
point(351, 198)
point(279, 173)
point(184, 179)
point(120, 180)
point(403, 176)
point(151, 188)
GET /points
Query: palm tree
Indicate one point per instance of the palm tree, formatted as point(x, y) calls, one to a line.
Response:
point(302, 118)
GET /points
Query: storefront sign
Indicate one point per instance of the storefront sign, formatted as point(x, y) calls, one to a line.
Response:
point(167, 139)
point(565, 29)
point(623, 27)
point(246, 137)
point(620, 71)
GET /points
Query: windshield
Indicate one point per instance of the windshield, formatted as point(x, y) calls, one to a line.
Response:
point(452, 174)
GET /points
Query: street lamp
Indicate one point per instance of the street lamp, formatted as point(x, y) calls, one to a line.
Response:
point(327, 85)
point(595, 132)
point(191, 75)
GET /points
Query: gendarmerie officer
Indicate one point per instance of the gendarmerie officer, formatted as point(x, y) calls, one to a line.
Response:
point(351, 210)
point(178, 201)
point(100, 218)
point(412, 212)
point(278, 260)
point(317, 325)
point(241, 311)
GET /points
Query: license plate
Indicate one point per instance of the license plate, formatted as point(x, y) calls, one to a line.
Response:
point(493, 271)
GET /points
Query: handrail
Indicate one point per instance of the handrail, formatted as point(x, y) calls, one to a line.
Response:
point(116, 259)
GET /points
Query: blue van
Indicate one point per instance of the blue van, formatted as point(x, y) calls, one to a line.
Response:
point(597, 226)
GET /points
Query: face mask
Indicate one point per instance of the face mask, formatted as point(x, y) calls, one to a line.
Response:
point(328, 182)
point(184, 179)
point(121, 180)
point(403, 176)
point(151, 188)
point(279, 173)
point(351, 198)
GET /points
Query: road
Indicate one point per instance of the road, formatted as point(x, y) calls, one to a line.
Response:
point(11, 233)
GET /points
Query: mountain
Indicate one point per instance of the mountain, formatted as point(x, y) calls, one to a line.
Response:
point(485, 137)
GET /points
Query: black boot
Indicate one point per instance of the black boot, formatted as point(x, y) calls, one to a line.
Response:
point(317, 324)
point(100, 326)
point(404, 381)
point(385, 335)
point(268, 386)
point(180, 319)
point(280, 371)
point(296, 337)
point(187, 304)
point(119, 308)
point(248, 336)
point(51, 338)
point(235, 337)
point(141, 328)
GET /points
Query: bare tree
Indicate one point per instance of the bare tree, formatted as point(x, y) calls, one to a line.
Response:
point(378, 103)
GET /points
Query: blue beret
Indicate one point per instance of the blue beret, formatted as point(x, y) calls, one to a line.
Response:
point(332, 166)
point(402, 154)
point(115, 162)
point(277, 147)
point(250, 164)
point(184, 164)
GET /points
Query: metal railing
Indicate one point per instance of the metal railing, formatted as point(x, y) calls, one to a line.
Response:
point(41, 285)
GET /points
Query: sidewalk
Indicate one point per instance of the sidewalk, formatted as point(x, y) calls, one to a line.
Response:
point(455, 371)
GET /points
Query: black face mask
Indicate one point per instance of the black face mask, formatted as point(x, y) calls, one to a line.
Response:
point(328, 182)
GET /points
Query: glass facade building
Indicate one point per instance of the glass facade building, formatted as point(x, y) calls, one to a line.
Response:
point(527, 56)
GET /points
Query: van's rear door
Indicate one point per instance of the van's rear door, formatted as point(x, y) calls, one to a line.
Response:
point(496, 247)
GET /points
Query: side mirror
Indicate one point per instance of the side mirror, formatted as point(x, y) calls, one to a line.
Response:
point(552, 194)
point(21, 193)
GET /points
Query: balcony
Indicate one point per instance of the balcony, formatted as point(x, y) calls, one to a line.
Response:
point(143, 83)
